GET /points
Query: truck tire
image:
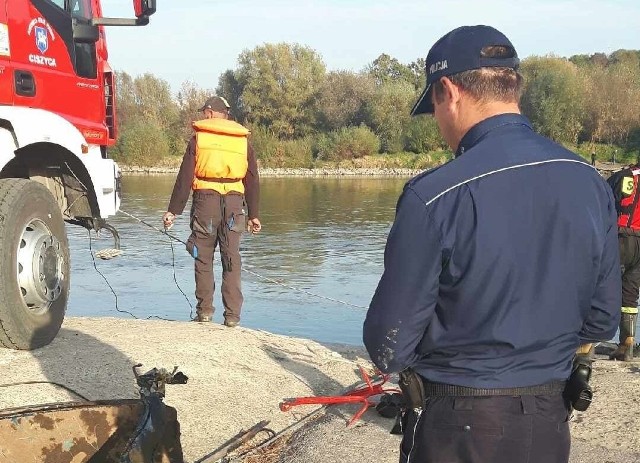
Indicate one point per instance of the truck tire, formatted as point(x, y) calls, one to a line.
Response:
point(34, 265)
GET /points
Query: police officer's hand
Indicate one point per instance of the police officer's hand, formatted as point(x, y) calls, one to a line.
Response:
point(254, 226)
point(167, 220)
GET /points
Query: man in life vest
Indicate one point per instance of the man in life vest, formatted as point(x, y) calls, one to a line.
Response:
point(220, 167)
point(627, 195)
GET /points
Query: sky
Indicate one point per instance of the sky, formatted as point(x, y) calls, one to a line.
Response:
point(198, 40)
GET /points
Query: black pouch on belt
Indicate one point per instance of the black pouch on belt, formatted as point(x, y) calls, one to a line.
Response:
point(410, 384)
point(577, 390)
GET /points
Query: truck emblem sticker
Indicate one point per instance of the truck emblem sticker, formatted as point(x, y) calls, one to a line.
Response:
point(42, 40)
point(41, 31)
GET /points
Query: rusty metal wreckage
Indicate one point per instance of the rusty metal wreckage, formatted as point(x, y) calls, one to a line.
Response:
point(143, 430)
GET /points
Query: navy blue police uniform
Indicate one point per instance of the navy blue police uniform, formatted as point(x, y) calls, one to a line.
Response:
point(499, 264)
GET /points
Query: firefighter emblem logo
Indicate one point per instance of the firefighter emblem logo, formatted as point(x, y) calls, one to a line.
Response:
point(42, 39)
point(42, 33)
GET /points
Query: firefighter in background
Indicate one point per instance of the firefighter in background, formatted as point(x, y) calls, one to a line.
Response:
point(627, 194)
point(220, 167)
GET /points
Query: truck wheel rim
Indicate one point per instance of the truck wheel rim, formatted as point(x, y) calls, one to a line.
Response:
point(40, 266)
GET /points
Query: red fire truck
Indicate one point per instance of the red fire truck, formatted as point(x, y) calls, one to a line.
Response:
point(57, 118)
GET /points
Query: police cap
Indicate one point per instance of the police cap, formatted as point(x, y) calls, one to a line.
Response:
point(463, 49)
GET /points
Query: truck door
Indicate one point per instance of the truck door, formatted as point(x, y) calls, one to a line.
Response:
point(52, 70)
point(6, 95)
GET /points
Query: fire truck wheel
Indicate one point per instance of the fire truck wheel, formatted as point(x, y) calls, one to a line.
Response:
point(34, 265)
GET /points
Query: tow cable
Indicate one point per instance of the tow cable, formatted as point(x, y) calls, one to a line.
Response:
point(245, 268)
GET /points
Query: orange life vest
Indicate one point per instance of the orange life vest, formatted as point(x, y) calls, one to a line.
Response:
point(221, 155)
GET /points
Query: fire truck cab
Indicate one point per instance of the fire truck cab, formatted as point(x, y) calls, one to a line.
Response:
point(57, 118)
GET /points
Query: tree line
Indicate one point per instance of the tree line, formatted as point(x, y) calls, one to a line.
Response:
point(302, 115)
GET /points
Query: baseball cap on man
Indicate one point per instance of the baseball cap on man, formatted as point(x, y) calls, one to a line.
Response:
point(461, 50)
point(216, 103)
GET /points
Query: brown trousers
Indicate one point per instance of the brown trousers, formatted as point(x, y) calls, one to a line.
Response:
point(218, 220)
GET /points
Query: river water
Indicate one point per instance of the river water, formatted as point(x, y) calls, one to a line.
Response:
point(325, 236)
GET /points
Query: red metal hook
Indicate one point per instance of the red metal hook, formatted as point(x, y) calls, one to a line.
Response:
point(358, 394)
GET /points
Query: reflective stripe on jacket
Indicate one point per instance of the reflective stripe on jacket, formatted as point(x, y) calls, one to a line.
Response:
point(499, 264)
point(221, 155)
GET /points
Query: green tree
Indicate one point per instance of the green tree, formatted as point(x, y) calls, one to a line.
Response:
point(582, 61)
point(386, 69)
point(280, 86)
point(553, 98)
point(633, 141)
point(348, 143)
point(143, 143)
point(613, 98)
point(157, 102)
point(388, 113)
point(342, 99)
point(296, 110)
point(190, 99)
point(422, 135)
point(126, 106)
point(418, 68)
point(599, 59)
point(154, 100)
point(625, 57)
point(231, 89)
point(148, 98)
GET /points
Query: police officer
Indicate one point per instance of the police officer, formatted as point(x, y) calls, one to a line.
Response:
point(498, 266)
point(220, 167)
point(624, 184)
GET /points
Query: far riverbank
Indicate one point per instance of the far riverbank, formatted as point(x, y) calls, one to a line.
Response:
point(293, 172)
point(604, 168)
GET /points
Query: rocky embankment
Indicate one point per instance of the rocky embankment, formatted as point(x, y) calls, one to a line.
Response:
point(295, 172)
point(605, 168)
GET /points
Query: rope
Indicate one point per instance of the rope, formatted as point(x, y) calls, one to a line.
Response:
point(271, 280)
point(173, 254)
point(113, 291)
point(175, 279)
point(163, 232)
